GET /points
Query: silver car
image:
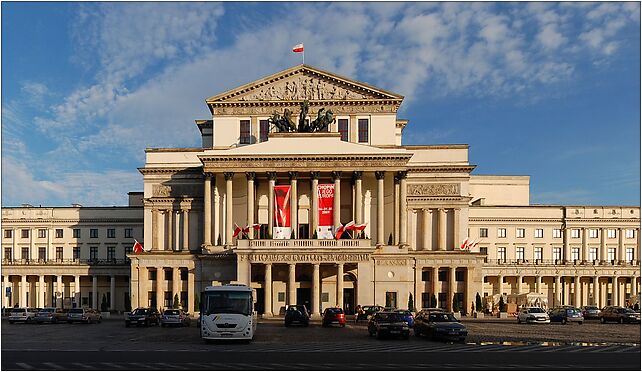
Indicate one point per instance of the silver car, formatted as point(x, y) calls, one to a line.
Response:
point(83, 315)
point(176, 317)
point(21, 314)
point(533, 315)
point(51, 315)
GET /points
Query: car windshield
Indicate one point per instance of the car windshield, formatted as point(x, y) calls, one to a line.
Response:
point(227, 302)
point(141, 312)
point(20, 310)
point(48, 310)
point(75, 311)
point(536, 310)
point(629, 311)
point(334, 311)
point(389, 317)
point(172, 312)
point(572, 311)
point(591, 308)
point(441, 318)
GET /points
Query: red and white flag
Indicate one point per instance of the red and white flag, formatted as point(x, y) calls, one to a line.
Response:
point(237, 230)
point(464, 244)
point(339, 231)
point(350, 225)
point(298, 48)
point(137, 247)
point(256, 226)
point(356, 227)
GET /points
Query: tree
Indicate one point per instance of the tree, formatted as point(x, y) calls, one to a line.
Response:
point(292, 235)
point(433, 300)
point(390, 239)
point(411, 303)
point(103, 305)
point(478, 302)
point(128, 303)
point(502, 304)
point(455, 303)
point(177, 303)
point(219, 241)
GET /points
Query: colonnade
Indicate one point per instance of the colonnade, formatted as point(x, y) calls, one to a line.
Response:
point(160, 286)
point(436, 285)
point(602, 253)
point(442, 225)
point(172, 220)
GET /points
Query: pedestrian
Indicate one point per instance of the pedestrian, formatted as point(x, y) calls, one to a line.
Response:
point(636, 307)
point(357, 312)
point(472, 308)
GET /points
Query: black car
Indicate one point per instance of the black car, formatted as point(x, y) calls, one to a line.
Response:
point(566, 314)
point(367, 311)
point(297, 314)
point(619, 314)
point(143, 316)
point(439, 325)
point(386, 323)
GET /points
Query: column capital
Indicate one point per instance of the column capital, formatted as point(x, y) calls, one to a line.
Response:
point(228, 175)
point(336, 175)
point(357, 175)
point(250, 176)
point(402, 174)
point(271, 176)
point(315, 175)
point(293, 175)
point(208, 175)
point(380, 174)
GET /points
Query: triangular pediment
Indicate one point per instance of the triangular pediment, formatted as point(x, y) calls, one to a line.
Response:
point(300, 83)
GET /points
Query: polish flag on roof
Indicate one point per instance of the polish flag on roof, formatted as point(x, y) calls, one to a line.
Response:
point(339, 231)
point(137, 247)
point(237, 230)
point(298, 48)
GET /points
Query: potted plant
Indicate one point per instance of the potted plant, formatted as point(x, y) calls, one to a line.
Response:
point(177, 303)
point(478, 307)
point(502, 308)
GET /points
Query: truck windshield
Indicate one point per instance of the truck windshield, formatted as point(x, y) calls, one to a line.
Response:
point(227, 302)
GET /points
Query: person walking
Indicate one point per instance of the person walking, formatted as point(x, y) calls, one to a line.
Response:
point(357, 313)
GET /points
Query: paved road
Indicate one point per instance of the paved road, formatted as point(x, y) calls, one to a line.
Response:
point(111, 346)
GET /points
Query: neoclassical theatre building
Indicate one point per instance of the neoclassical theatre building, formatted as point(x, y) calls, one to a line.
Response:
point(292, 189)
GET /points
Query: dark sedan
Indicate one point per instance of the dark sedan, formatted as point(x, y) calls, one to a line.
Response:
point(590, 312)
point(368, 311)
point(297, 314)
point(388, 324)
point(439, 325)
point(619, 314)
point(143, 316)
point(407, 317)
point(566, 314)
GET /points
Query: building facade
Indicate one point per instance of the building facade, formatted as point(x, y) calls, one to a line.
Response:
point(418, 203)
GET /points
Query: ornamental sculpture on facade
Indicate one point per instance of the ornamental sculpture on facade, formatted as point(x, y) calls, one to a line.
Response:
point(284, 123)
point(433, 189)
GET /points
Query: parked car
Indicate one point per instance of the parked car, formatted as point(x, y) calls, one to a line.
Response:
point(590, 312)
point(407, 316)
point(21, 314)
point(51, 315)
point(333, 315)
point(387, 323)
point(619, 314)
point(367, 311)
point(565, 314)
point(175, 317)
point(83, 315)
point(533, 315)
point(297, 314)
point(143, 316)
point(439, 325)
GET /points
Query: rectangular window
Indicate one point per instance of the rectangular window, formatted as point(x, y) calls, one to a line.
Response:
point(128, 232)
point(520, 233)
point(391, 299)
point(442, 275)
point(538, 253)
point(483, 232)
point(484, 251)
point(42, 254)
point(501, 233)
point(264, 129)
point(425, 276)
point(25, 253)
point(93, 253)
point(611, 254)
point(592, 254)
point(539, 233)
point(7, 254)
point(8, 233)
point(93, 233)
point(557, 233)
point(363, 130)
point(575, 254)
point(501, 254)
point(167, 274)
point(629, 254)
point(76, 233)
point(183, 274)
point(304, 231)
point(76, 251)
point(59, 253)
point(128, 250)
point(610, 233)
point(459, 275)
point(111, 253)
point(152, 274)
point(24, 233)
point(575, 233)
point(59, 233)
point(519, 253)
point(42, 233)
point(111, 233)
point(557, 253)
point(245, 132)
point(630, 234)
point(592, 233)
point(343, 129)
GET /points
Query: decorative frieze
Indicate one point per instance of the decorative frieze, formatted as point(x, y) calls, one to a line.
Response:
point(433, 189)
point(304, 257)
point(392, 262)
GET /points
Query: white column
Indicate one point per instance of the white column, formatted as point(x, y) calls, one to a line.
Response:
point(61, 289)
point(5, 285)
point(435, 282)
point(596, 292)
point(155, 229)
point(160, 274)
point(94, 289)
point(176, 283)
point(340, 285)
point(190, 291)
point(452, 284)
point(519, 284)
point(380, 205)
point(314, 218)
point(456, 239)
point(229, 223)
point(584, 253)
point(271, 183)
point(538, 284)
point(425, 229)
point(621, 256)
point(617, 291)
point(578, 280)
point(396, 214)
point(41, 291)
point(112, 292)
point(500, 282)
point(634, 286)
point(403, 209)
point(78, 295)
point(316, 281)
point(250, 202)
point(186, 229)
point(170, 230)
point(267, 289)
point(603, 255)
point(292, 284)
point(207, 210)
point(558, 292)
point(358, 197)
point(441, 225)
point(23, 290)
point(294, 204)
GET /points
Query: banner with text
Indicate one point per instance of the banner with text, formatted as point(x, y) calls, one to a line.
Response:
point(282, 228)
point(325, 193)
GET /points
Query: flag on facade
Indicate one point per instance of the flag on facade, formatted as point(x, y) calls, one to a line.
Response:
point(339, 231)
point(298, 48)
point(137, 247)
point(237, 230)
point(464, 244)
point(256, 226)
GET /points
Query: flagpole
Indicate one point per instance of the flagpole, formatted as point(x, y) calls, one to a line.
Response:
point(303, 55)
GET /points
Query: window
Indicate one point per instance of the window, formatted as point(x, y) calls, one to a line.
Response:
point(459, 275)
point(592, 233)
point(42, 254)
point(592, 254)
point(575, 233)
point(245, 132)
point(264, 128)
point(111, 253)
point(7, 254)
point(76, 233)
point(59, 254)
point(557, 233)
point(343, 129)
point(629, 254)
point(152, 275)
point(391, 299)
point(557, 253)
point(128, 250)
point(93, 233)
point(24, 233)
point(520, 233)
point(363, 130)
point(501, 233)
point(183, 274)
point(59, 233)
point(501, 254)
point(93, 253)
point(111, 233)
point(425, 276)
point(610, 233)
point(76, 253)
point(304, 231)
point(630, 233)
point(538, 253)
point(25, 253)
point(483, 232)
point(442, 275)
point(168, 299)
point(611, 254)
point(167, 274)
point(575, 253)
point(539, 233)
point(519, 253)
point(42, 233)
point(8, 233)
point(128, 232)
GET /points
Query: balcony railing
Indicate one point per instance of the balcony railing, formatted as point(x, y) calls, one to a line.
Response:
point(304, 243)
point(564, 263)
point(91, 262)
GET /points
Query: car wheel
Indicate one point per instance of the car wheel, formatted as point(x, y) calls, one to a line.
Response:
point(563, 321)
point(28, 321)
point(519, 321)
point(580, 323)
point(602, 320)
point(621, 320)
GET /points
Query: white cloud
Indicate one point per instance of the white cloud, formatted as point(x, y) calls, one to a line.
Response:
point(550, 37)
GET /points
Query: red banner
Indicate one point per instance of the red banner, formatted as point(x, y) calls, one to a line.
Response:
point(282, 228)
point(325, 193)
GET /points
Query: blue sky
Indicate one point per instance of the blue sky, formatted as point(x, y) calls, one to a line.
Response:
point(541, 89)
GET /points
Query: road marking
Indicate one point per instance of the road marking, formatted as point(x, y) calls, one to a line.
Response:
point(24, 365)
point(112, 365)
point(84, 366)
point(53, 365)
point(171, 366)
